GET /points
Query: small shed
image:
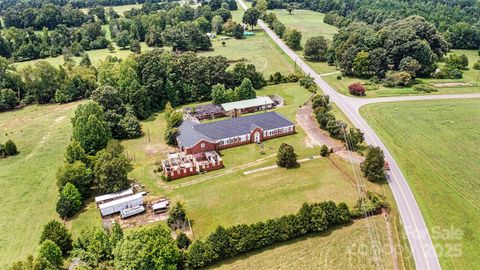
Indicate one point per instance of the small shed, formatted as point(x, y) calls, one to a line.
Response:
point(160, 207)
point(113, 196)
point(116, 206)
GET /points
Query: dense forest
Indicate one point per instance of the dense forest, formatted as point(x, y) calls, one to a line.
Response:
point(459, 20)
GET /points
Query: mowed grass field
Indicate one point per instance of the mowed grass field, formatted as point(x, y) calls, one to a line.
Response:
point(340, 248)
point(310, 24)
point(436, 144)
point(28, 185)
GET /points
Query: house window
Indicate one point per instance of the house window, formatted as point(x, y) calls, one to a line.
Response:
point(202, 145)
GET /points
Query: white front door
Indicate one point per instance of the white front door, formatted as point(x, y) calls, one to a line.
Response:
point(257, 137)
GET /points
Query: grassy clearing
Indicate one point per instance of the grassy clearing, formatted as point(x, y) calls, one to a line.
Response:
point(333, 249)
point(28, 184)
point(259, 50)
point(309, 23)
point(95, 56)
point(436, 144)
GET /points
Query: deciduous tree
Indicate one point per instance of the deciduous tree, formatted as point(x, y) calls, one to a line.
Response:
point(286, 156)
point(57, 233)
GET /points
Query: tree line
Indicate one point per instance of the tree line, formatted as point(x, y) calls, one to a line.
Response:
point(337, 128)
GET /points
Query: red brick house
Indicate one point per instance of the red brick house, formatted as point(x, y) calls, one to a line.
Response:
point(197, 138)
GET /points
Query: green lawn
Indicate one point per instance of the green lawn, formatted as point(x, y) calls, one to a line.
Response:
point(333, 249)
point(95, 56)
point(310, 23)
point(436, 144)
point(28, 184)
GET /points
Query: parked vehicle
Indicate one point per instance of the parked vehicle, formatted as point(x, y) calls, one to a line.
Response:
point(386, 166)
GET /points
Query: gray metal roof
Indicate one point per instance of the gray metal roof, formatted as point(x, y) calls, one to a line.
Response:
point(248, 103)
point(191, 133)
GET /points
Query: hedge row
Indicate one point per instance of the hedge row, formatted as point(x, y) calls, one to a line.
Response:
point(228, 242)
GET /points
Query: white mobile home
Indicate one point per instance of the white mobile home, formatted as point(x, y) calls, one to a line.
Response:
point(113, 196)
point(132, 211)
point(116, 206)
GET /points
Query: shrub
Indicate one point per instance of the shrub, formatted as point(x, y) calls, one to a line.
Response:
point(339, 77)
point(356, 89)
point(424, 88)
point(10, 148)
point(286, 156)
point(308, 82)
point(476, 65)
point(324, 151)
point(171, 136)
point(397, 79)
point(182, 241)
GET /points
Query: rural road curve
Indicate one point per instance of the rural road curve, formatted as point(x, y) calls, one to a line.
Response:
point(422, 248)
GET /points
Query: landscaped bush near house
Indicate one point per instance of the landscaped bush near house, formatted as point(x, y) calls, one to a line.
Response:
point(356, 89)
point(425, 88)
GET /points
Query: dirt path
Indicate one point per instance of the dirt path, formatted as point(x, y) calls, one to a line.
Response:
point(315, 134)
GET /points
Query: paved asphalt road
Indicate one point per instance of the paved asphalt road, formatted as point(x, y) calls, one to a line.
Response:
point(421, 244)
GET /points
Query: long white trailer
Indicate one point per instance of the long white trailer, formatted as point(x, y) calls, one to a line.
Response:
point(113, 196)
point(116, 206)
